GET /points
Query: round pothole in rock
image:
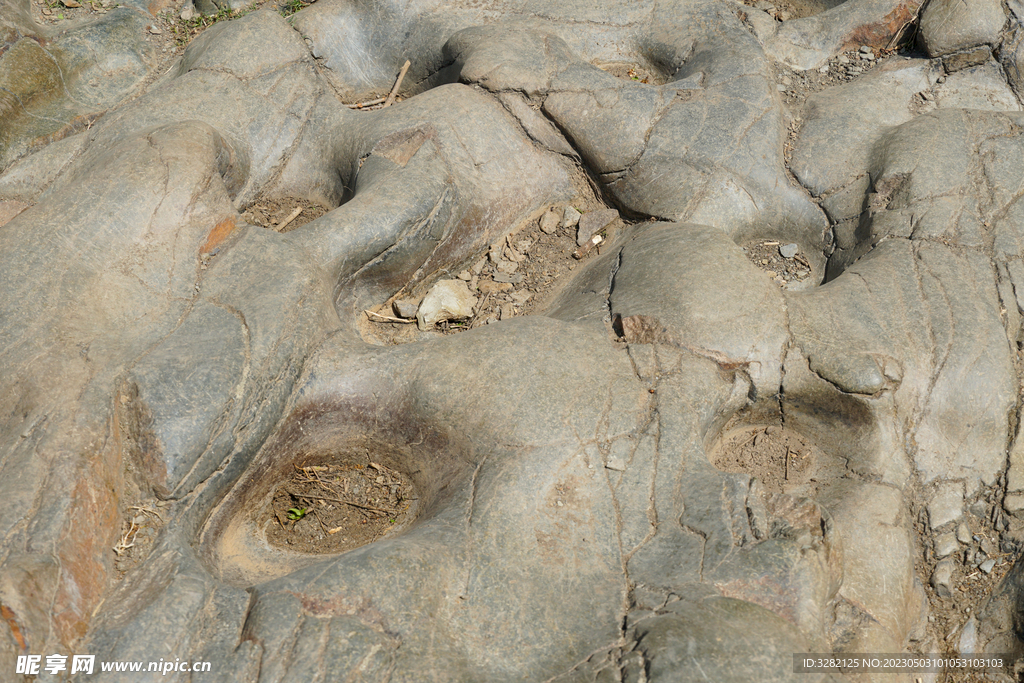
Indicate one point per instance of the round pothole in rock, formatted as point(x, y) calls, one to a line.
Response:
point(781, 458)
point(782, 261)
point(333, 507)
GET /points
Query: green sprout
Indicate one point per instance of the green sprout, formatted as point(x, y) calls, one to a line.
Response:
point(291, 7)
point(185, 30)
point(295, 514)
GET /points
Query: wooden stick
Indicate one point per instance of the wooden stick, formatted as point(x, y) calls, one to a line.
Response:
point(292, 216)
point(394, 91)
point(587, 246)
point(370, 103)
point(389, 318)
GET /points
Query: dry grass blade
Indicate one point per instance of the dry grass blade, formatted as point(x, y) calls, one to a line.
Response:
point(349, 502)
point(895, 40)
point(147, 510)
point(475, 320)
point(322, 525)
point(127, 540)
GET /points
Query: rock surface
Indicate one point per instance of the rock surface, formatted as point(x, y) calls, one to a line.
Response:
point(950, 25)
point(680, 461)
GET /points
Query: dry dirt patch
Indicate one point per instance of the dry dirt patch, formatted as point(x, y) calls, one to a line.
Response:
point(335, 507)
point(781, 458)
point(785, 270)
point(283, 214)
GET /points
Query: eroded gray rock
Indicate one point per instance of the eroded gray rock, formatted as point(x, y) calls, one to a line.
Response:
point(574, 520)
point(949, 25)
point(841, 127)
point(55, 84)
point(807, 42)
point(977, 87)
point(945, 545)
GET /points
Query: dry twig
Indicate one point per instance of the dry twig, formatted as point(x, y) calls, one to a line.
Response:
point(479, 309)
point(390, 319)
point(292, 216)
point(590, 244)
point(398, 83)
point(388, 100)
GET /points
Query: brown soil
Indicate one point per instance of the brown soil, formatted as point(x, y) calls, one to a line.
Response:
point(780, 457)
point(632, 72)
point(335, 507)
point(765, 255)
point(61, 13)
point(545, 263)
point(795, 86)
point(271, 213)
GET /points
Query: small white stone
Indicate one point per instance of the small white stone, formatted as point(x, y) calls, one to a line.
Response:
point(947, 505)
point(550, 220)
point(570, 217)
point(405, 308)
point(942, 577)
point(506, 266)
point(446, 300)
point(945, 545)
